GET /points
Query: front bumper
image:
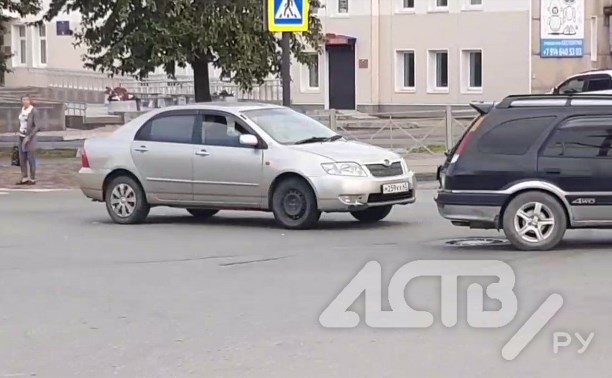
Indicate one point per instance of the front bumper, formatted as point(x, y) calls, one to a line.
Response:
point(341, 194)
point(478, 210)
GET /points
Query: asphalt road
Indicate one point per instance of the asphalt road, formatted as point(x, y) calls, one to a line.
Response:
point(238, 297)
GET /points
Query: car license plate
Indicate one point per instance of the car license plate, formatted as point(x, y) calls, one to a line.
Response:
point(395, 188)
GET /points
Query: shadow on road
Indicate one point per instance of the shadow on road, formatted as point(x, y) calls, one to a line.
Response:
point(269, 223)
point(497, 244)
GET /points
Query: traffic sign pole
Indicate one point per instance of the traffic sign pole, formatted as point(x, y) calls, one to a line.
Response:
point(286, 17)
point(286, 68)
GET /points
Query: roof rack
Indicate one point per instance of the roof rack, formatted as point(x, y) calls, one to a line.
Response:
point(561, 99)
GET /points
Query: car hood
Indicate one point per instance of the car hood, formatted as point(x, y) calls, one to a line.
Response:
point(348, 151)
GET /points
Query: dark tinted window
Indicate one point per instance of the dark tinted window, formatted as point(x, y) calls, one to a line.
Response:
point(599, 83)
point(513, 137)
point(170, 129)
point(583, 138)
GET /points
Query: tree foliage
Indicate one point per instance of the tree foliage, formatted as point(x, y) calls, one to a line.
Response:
point(135, 37)
point(9, 9)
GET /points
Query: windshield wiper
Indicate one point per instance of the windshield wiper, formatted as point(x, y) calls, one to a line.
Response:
point(312, 140)
point(334, 138)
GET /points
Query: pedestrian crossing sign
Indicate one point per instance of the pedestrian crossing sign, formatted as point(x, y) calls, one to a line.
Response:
point(288, 15)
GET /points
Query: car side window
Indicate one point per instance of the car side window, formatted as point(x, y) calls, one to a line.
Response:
point(513, 137)
point(169, 129)
point(582, 138)
point(575, 85)
point(221, 130)
point(599, 83)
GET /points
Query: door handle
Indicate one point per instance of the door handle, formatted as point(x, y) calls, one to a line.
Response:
point(552, 171)
point(141, 149)
point(202, 153)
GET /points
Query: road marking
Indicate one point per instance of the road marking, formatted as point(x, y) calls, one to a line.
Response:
point(31, 190)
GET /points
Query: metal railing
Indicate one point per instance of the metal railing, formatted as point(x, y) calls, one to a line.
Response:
point(270, 91)
point(431, 131)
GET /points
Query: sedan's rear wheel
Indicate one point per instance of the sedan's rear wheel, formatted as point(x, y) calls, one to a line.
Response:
point(202, 213)
point(372, 214)
point(295, 205)
point(126, 202)
point(534, 221)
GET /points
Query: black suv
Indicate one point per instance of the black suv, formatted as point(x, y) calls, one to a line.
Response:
point(534, 166)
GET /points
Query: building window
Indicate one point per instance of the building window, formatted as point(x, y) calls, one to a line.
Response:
point(441, 4)
point(408, 4)
point(22, 46)
point(472, 4)
point(42, 45)
point(405, 71)
point(438, 71)
point(343, 6)
point(472, 70)
point(310, 74)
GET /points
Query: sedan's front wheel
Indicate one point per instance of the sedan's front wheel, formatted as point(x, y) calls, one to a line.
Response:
point(202, 213)
point(373, 214)
point(126, 202)
point(295, 205)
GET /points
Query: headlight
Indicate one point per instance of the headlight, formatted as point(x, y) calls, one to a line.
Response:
point(344, 169)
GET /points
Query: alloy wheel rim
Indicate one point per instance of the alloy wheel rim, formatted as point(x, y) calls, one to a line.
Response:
point(123, 200)
point(534, 222)
point(294, 204)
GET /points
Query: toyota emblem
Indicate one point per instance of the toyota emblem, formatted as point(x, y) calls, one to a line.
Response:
point(387, 163)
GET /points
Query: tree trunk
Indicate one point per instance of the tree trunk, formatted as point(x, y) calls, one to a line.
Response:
point(201, 80)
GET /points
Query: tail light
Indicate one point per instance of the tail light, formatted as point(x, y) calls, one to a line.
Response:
point(466, 140)
point(84, 159)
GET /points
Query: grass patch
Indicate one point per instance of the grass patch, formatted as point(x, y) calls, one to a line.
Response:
point(435, 148)
point(60, 153)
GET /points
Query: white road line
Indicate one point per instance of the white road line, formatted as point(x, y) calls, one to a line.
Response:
point(32, 190)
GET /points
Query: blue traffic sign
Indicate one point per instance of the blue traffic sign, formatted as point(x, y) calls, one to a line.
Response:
point(288, 15)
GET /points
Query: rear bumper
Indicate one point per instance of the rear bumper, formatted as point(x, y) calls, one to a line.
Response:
point(91, 182)
point(471, 209)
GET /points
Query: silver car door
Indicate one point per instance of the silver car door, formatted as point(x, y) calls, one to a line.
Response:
point(163, 152)
point(226, 172)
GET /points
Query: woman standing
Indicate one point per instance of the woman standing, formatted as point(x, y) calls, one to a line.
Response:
point(28, 128)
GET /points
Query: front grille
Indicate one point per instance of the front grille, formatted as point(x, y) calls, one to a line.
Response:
point(380, 170)
point(379, 197)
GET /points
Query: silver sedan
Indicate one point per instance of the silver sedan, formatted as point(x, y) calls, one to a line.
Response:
point(241, 156)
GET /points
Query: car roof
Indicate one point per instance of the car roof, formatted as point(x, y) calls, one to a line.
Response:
point(592, 72)
point(233, 107)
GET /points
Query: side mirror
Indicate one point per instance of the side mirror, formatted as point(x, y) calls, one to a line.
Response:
point(249, 140)
point(555, 91)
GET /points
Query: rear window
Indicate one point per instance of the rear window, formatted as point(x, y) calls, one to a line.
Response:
point(478, 120)
point(513, 137)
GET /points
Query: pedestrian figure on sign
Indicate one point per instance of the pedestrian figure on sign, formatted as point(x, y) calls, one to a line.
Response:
point(29, 126)
point(288, 12)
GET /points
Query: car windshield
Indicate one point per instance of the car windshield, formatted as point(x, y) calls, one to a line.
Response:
point(287, 126)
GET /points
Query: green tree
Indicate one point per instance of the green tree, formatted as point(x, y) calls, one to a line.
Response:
point(9, 9)
point(134, 37)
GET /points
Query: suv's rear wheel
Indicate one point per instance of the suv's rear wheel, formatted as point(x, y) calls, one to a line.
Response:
point(534, 221)
point(126, 202)
point(294, 204)
point(373, 214)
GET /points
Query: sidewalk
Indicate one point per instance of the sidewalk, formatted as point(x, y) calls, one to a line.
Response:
point(65, 135)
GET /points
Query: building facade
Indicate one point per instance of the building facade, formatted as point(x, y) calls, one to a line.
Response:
point(384, 55)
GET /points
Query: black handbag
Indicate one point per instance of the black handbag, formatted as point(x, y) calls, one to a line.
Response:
point(15, 157)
